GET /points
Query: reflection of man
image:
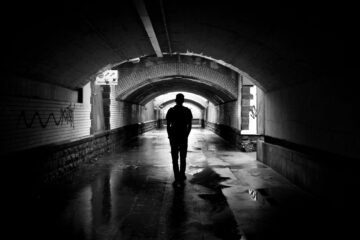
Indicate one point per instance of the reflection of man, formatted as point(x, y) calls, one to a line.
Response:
point(179, 120)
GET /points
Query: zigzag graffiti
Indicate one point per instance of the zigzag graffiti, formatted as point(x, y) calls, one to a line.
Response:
point(66, 116)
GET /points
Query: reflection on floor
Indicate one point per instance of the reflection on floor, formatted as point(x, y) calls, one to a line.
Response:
point(129, 195)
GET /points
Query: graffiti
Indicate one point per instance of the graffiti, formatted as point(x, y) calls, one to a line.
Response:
point(253, 112)
point(66, 117)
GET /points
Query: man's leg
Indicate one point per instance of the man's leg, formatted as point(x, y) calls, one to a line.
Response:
point(175, 156)
point(183, 154)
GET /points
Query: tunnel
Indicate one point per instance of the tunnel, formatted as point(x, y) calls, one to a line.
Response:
point(273, 149)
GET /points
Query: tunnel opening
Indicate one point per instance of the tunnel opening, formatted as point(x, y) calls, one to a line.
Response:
point(227, 89)
point(107, 116)
point(194, 102)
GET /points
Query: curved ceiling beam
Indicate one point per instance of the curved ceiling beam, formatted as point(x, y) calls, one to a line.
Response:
point(172, 96)
point(150, 69)
point(248, 80)
point(148, 90)
point(199, 105)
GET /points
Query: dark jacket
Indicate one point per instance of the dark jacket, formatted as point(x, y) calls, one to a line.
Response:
point(179, 121)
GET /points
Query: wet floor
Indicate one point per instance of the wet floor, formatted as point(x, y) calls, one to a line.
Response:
point(129, 195)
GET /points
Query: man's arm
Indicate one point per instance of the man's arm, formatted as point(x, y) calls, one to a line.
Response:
point(168, 123)
point(189, 124)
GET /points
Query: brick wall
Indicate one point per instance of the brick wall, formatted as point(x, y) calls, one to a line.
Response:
point(246, 143)
point(132, 75)
point(225, 114)
point(41, 117)
point(64, 158)
point(223, 119)
point(122, 113)
point(228, 114)
point(45, 139)
point(49, 163)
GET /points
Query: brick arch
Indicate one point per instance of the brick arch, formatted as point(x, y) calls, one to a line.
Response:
point(197, 104)
point(193, 104)
point(151, 77)
point(152, 88)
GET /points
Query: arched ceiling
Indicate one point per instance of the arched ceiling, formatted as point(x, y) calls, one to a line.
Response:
point(152, 88)
point(171, 96)
point(67, 45)
point(197, 111)
point(142, 79)
point(197, 104)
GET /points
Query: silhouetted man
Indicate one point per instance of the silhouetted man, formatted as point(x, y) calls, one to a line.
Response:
point(179, 120)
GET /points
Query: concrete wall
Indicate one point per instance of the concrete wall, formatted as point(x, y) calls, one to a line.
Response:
point(310, 136)
point(317, 114)
point(320, 173)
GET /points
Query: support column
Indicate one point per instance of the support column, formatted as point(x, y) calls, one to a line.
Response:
point(239, 101)
point(203, 117)
point(260, 111)
point(246, 97)
point(106, 105)
point(97, 110)
point(158, 118)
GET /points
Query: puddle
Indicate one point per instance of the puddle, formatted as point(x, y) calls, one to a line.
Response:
point(211, 148)
point(262, 196)
point(225, 155)
point(244, 166)
point(131, 166)
point(209, 178)
point(223, 224)
point(205, 164)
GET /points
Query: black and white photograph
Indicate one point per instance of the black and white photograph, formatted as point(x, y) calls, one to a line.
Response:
point(179, 120)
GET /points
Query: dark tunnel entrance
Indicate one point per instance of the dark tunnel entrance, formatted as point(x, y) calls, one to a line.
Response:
point(287, 62)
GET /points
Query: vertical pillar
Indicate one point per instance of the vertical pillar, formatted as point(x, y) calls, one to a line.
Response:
point(246, 97)
point(106, 105)
point(158, 118)
point(97, 110)
point(260, 111)
point(239, 101)
point(203, 116)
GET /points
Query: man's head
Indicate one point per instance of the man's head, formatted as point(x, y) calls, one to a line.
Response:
point(179, 99)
